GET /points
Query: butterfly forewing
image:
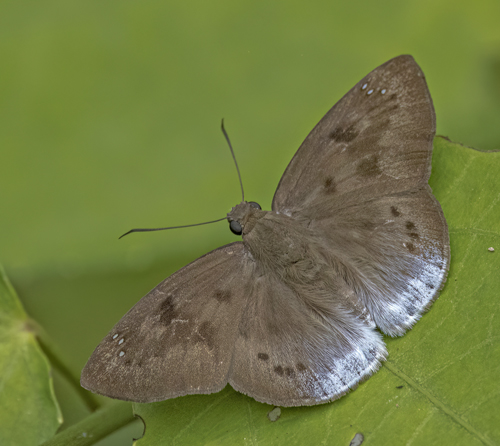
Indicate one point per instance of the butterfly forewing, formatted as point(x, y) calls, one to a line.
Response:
point(376, 140)
point(179, 338)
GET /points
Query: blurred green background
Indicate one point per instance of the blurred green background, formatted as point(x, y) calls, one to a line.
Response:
point(110, 119)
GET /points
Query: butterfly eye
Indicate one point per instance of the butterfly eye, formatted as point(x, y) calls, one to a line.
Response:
point(254, 205)
point(235, 227)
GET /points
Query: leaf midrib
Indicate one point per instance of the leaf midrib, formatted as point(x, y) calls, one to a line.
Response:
point(437, 403)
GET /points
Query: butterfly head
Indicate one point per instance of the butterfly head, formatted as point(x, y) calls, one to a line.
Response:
point(243, 215)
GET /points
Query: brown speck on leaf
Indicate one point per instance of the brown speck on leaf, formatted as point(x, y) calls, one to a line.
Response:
point(357, 440)
point(274, 414)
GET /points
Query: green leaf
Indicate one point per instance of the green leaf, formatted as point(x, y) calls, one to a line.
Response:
point(441, 382)
point(29, 413)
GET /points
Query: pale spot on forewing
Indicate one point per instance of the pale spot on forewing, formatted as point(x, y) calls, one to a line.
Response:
point(121, 341)
point(115, 336)
point(396, 177)
point(369, 92)
point(364, 87)
point(383, 91)
point(121, 353)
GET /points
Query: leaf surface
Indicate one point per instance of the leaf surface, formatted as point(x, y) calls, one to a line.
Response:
point(29, 412)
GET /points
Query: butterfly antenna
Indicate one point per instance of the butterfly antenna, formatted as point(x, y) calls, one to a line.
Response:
point(205, 222)
point(234, 158)
point(171, 227)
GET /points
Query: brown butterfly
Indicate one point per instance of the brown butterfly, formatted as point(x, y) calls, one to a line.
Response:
point(355, 240)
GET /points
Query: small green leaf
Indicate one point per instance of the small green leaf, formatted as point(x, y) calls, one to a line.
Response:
point(29, 413)
point(441, 382)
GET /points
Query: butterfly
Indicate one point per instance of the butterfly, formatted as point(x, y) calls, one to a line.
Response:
point(355, 240)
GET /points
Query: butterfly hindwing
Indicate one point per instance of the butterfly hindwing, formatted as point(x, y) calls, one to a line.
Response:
point(291, 353)
point(396, 249)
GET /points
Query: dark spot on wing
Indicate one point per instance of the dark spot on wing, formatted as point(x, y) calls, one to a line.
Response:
point(410, 247)
point(414, 235)
point(368, 225)
point(399, 387)
point(395, 212)
point(430, 285)
point(289, 372)
point(301, 367)
point(330, 185)
point(206, 334)
point(410, 225)
point(222, 296)
point(393, 96)
point(263, 356)
point(344, 135)
point(167, 311)
point(128, 362)
point(139, 364)
point(279, 370)
point(369, 166)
